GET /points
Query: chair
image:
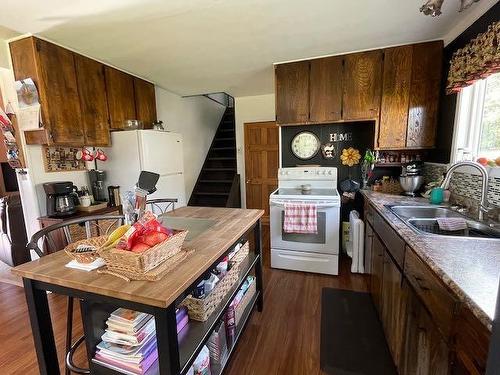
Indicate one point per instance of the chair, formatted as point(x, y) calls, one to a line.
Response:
point(55, 237)
point(161, 204)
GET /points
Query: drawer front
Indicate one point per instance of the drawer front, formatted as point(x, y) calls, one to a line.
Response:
point(438, 300)
point(392, 241)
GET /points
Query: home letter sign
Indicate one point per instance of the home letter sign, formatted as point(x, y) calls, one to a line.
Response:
point(340, 137)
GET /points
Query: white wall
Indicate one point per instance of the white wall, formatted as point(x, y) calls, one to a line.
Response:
point(197, 119)
point(4, 54)
point(250, 109)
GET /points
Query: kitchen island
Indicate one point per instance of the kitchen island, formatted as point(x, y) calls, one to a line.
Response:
point(101, 294)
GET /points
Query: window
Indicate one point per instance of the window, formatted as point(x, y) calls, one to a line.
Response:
point(477, 124)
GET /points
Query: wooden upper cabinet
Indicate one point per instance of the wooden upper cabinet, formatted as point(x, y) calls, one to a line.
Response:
point(145, 102)
point(53, 71)
point(424, 94)
point(121, 100)
point(395, 97)
point(326, 89)
point(93, 100)
point(362, 85)
point(292, 93)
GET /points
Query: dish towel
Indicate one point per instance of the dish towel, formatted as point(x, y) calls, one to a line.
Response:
point(301, 217)
point(451, 223)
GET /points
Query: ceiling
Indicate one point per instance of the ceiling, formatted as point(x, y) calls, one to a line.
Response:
point(199, 46)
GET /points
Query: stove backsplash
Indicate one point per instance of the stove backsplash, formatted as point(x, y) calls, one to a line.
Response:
point(358, 135)
point(465, 188)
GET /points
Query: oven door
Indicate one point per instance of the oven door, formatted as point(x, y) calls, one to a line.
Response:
point(326, 241)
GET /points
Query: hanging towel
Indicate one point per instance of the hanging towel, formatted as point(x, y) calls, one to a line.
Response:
point(301, 217)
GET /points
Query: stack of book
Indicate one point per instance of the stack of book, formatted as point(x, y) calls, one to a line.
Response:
point(129, 343)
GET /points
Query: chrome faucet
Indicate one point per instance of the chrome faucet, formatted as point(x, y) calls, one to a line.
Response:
point(483, 205)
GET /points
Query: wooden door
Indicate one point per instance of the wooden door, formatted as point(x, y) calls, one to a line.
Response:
point(145, 102)
point(395, 98)
point(121, 101)
point(424, 94)
point(326, 89)
point(93, 101)
point(292, 93)
point(261, 164)
point(393, 307)
point(61, 110)
point(362, 85)
point(377, 273)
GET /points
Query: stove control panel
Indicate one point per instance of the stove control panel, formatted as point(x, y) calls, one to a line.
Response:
point(308, 173)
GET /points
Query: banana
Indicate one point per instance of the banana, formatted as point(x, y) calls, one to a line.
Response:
point(115, 236)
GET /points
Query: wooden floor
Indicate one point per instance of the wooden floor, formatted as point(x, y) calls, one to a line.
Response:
point(284, 339)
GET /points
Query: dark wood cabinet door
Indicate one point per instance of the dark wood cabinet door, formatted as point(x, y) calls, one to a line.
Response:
point(326, 89)
point(121, 101)
point(93, 101)
point(395, 98)
point(61, 110)
point(368, 248)
point(424, 94)
point(425, 352)
point(377, 273)
point(292, 93)
point(145, 102)
point(362, 85)
point(394, 306)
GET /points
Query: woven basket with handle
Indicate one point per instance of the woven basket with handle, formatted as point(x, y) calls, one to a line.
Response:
point(89, 256)
point(201, 308)
point(128, 261)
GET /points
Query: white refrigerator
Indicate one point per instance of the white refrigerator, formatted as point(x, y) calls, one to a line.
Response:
point(156, 151)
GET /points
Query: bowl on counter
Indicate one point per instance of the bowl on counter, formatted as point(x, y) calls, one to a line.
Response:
point(411, 184)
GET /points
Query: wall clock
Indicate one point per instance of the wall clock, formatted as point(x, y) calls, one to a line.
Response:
point(305, 145)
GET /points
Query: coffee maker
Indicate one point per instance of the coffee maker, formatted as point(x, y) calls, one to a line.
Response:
point(97, 178)
point(61, 198)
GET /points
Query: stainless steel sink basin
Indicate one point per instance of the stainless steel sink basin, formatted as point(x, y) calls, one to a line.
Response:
point(423, 220)
point(424, 212)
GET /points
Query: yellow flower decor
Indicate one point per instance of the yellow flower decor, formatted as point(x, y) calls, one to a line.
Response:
point(350, 156)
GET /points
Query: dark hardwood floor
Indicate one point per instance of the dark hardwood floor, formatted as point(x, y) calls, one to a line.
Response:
point(283, 339)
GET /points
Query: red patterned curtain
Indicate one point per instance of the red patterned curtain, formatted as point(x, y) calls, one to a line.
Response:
point(477, 60)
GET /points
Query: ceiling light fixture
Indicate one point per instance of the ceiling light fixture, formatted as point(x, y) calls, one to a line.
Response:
point(433, 7)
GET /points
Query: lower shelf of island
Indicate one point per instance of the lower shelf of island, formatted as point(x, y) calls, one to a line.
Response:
point(192, 338)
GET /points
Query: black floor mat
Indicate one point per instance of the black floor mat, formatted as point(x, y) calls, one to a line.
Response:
point(352, 338)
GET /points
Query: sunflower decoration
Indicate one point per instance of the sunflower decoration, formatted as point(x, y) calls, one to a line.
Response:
point(350, 156)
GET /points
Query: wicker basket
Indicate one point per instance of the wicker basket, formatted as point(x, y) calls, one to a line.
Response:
point(87, 257)
point(201, 308)
point(127, 261)
point(391, 187)
point(250, 293)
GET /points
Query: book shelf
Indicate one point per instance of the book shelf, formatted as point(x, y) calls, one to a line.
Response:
point(191, 339)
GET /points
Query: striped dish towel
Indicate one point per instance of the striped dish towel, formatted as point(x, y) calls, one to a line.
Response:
point(301, 217)
point(451, 223)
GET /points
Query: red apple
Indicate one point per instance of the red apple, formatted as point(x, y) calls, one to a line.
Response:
point(482, 161)
point(140, 247)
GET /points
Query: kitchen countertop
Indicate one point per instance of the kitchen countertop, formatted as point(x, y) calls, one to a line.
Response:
point(469, 267)
point(229, 225)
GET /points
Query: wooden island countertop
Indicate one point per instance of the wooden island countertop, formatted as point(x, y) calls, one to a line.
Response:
point(230, 224)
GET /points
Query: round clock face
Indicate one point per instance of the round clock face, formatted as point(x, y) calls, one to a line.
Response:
point(305, 145)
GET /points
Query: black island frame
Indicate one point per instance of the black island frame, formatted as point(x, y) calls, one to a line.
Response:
point(173, 358)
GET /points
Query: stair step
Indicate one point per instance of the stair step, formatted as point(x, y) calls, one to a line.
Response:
point(225, 139)
point(221, 158)
point(218, 169)
point(210, 193)
point(222, 148)
point(216, 181)
point(226, 130)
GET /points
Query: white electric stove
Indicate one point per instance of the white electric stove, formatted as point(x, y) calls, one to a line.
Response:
point(319, 252)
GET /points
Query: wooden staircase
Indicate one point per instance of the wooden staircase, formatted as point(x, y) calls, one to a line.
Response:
point(218, 184)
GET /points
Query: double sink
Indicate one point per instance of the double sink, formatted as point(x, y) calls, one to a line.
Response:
point(423, 220)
